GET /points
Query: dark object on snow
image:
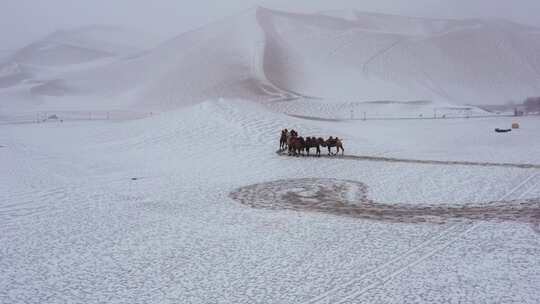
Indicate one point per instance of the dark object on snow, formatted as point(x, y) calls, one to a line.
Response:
point(334, 142)
point(503, 130)
point(296, 145)
point(283, 139)
point(134, 178)
point(312, 142)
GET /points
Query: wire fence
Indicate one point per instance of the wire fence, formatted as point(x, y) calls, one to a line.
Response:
point(365, 116)
point(70, 116)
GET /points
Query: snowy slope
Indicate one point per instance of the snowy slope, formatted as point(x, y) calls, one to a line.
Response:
point(381, 57)
point(267, 55)
point(83, 45)
point(411, 26)
point(39, 69)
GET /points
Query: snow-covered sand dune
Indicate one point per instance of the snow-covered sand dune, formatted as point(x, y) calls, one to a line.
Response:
point(83, 45)
point(382, 57)
point(39, 72)
point(266, 55)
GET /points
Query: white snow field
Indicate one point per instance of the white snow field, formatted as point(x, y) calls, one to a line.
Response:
point(141, 211)
point(152, 175)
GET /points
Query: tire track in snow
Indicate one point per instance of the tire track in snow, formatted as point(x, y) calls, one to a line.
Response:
point(526, 185)
point(347, 293)
point(343, 292)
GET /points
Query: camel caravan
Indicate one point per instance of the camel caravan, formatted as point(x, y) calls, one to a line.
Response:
point(297, 145)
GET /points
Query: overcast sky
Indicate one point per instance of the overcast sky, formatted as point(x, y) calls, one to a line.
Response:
point(24, 21)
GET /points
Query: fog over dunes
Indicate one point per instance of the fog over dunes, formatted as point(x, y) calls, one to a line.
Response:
point(263, 54)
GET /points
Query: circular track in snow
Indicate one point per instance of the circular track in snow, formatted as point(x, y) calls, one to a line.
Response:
point(350, 198)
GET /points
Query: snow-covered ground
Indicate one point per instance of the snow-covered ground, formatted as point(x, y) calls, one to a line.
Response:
point(140, 211)
point(152, 176)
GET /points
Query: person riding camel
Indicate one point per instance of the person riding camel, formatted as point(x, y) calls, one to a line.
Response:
point(283, 139)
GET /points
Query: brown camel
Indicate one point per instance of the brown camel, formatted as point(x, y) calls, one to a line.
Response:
point(334, 142)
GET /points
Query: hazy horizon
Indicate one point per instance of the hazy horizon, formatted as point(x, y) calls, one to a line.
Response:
point(25, 21)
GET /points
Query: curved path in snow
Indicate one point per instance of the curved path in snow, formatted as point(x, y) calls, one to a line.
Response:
point(350, 198)
point(419, 161)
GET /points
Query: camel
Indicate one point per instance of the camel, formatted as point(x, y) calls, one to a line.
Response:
point(334, 142)
point(312, 142)
point(296, 145)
